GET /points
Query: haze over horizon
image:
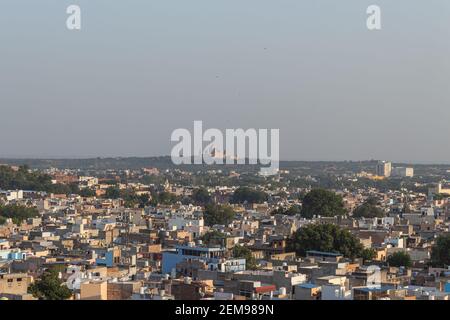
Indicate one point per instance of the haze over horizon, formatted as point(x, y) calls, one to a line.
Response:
point(168, 156)
point(137, 70)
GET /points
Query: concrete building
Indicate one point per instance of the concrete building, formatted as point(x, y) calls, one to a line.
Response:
point(403, 172)
point(307, 291)
point(12, 195)
point(384, 169)
point(14, 283)
point(209, 255)
point(94, 290)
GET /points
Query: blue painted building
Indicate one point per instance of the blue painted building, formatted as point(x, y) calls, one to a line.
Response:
point(447, 287)
point(108, 257)
point(12, 255)
point(209, 255)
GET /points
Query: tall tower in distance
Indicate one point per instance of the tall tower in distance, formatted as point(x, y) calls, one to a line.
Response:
point(384, 168)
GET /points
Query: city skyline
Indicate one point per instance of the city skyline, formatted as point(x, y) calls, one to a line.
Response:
point(168, 156)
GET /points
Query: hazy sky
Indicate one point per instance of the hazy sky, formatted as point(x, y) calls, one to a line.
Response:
point(140, 69)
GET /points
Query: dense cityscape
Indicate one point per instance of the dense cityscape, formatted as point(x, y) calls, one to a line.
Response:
point(145, 229)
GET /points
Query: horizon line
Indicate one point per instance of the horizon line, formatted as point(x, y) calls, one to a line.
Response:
point(55, 158)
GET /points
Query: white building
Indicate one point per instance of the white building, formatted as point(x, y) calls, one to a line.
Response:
point(384, 169)
point(88, 181)
point(335, 292)
point(194, 225)
point(12, 195)
point(403, 172)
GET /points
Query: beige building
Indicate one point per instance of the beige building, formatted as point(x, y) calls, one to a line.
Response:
point(384, 169)
point(94, 290)
point(15, 283)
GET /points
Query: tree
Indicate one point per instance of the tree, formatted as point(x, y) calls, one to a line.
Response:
point(325, 237)
point(368, 209)
point(112, 193)
point(143, 200)
point(87, 192)
point(132, 200)
point(201, 196)
point(399, 259)
point(368, 254)
point(245, 253)
point(218, 214)
point(322, 202)
point(50, 287)
point(25, 179)
point(245, 194)
point(60, 188)
point(213, 237)
point(440, 252)
point(291, 211)
point(166, 198)
point(18, 213)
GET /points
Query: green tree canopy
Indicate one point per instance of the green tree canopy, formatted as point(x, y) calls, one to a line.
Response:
point(87, 192)
point(322, 202)
point(201, 196)
point(246, 194)
point(218, 214)
point(24, 179)
point(399, 259)
point(291, 211)
point(50, 287)
point(245, 253)
point(18, 213)
point(325, 237)
point(440, 252)
point(130, 198)
point(112, 193)
point(368, 254)
point(164, 198)
point(213, 238)
point(368, 209)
